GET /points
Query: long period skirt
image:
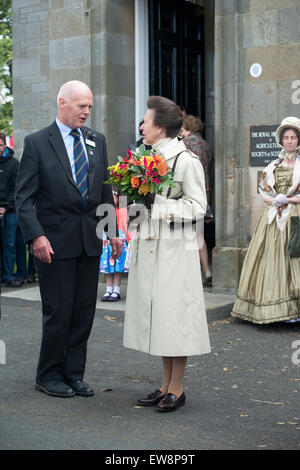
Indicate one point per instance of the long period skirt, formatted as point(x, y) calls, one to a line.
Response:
point(269, 289)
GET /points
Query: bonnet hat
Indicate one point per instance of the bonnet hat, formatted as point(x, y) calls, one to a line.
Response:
point(288, 122)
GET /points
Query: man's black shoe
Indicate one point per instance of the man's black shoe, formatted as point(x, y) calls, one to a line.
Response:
point(31, 278)
point(55, 388)
point(81, 388)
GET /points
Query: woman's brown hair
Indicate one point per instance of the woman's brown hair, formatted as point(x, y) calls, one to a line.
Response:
point(166, 114)
point(192, 123)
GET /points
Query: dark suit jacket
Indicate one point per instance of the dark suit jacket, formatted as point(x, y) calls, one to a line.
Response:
point(48, 201)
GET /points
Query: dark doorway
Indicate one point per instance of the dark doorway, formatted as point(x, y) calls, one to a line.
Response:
point(176, 53)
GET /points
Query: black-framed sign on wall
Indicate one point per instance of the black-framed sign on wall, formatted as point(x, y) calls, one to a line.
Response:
point(263, 146)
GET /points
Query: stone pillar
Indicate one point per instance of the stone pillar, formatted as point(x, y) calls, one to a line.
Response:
point(30, 68)
point(209, 41)
point(112, 72)
point(246, 32)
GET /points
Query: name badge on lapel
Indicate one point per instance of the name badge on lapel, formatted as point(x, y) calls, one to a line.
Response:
point(90, 142)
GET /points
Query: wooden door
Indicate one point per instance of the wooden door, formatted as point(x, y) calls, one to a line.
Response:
point(176, 53)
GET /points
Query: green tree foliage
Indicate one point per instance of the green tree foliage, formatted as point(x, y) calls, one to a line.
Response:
point(6, 66)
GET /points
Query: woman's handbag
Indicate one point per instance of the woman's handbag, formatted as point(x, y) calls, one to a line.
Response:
point(294, 243)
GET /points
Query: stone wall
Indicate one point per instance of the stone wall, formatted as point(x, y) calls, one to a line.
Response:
point(30, 68)
point(247, 32)
point(60, 40)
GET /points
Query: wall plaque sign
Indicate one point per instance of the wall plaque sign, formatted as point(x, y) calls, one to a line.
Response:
point(263, 146)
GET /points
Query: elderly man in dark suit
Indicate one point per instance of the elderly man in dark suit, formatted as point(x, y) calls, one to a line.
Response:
point(59, 188)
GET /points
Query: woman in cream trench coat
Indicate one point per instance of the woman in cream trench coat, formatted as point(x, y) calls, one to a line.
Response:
point(165, 312)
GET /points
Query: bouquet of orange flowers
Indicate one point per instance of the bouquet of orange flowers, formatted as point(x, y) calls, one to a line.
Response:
point(139, 173)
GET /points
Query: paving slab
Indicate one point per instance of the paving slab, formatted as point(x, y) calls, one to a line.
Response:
point(217, 304)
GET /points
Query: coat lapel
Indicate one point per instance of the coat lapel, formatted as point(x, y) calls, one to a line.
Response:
point(91, 151)
point(170, 148)
point(59, 148)
point(58, 145)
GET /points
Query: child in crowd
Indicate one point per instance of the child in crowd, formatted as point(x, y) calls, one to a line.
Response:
point(113, 268)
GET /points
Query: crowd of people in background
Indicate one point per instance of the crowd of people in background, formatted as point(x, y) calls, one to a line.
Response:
point(17, 261)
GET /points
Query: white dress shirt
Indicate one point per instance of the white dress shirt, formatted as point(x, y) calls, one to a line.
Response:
point(69, 141)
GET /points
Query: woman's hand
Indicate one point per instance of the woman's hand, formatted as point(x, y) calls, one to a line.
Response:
point(280, 200)
point(268, 199)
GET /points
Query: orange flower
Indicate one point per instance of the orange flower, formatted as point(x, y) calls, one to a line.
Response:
point(157, 159)
point(144, 189)
point(162, 168)
point(135, 181)
point(132, 161)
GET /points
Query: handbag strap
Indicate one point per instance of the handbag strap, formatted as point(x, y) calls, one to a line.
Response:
point(173, 170)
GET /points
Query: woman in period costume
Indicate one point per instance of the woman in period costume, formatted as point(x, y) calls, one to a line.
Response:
point(269, 289)
point(165, 312)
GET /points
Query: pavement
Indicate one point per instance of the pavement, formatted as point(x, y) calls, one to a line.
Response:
point(216, 303)
point(243, 395)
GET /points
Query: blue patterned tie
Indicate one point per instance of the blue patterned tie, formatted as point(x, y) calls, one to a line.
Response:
point(81, 166)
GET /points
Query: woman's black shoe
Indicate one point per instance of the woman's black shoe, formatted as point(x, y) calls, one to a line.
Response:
point(151, 399)
point(170, 402)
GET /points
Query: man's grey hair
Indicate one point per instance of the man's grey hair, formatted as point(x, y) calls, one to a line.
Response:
point(69, 89)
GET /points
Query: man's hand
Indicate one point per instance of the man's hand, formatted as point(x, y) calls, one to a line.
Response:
point(42, 249)
point(116, 247)
point(2, 211)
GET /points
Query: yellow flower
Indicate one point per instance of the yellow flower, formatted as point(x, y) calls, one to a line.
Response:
point(149, 159)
